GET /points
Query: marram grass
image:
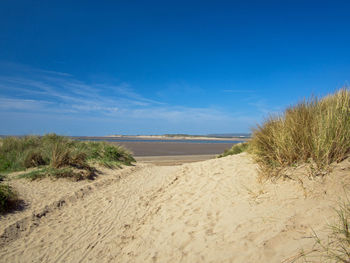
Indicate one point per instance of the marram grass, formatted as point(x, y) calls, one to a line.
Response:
point(315, 130)
point(57, 155)
point(8, 198)
point(235, 149)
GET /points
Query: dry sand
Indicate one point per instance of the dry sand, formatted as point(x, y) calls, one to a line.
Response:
point(210, 211)
point(173, 159)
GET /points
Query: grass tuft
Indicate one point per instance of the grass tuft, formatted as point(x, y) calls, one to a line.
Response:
point(8, 198)
point(235, 149)
point(65, 172)
point(34, 159)
point(315, 130)
point(60, 155)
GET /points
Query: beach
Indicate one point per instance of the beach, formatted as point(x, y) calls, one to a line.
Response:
point(174, 132)
point(208, 211)
point(174, 159)
point(161, 150)
point(172, 148)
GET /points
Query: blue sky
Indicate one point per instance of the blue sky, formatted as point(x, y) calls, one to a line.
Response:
point(154, 67)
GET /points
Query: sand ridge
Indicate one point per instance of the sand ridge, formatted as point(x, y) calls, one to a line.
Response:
point(210, 211)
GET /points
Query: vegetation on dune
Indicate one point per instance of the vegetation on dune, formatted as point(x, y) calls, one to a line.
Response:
point(8, 198)
point(235, 149)
point(336, 248)
point(65, 172)
point(315, 131)
point(105, 154)
point(58, 156)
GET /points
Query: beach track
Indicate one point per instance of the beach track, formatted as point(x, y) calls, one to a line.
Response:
point(210, 211)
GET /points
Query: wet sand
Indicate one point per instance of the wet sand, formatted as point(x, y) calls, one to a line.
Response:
point(151, 148)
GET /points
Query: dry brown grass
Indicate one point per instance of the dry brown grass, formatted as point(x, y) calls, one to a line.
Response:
point(315, 131)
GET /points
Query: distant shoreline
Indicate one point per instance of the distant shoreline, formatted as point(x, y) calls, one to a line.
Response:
point(153, 137)
point(170, 138)
point(159, 145)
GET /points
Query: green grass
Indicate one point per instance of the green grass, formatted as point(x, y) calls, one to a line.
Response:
point(315, 130)
point(235, 149)
point(8, 198)
point(58, 156)
point(105, 154)
point(65, 172)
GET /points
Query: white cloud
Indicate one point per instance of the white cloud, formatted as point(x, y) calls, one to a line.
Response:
point(60, 94)
point(75, 94)
point(22, 104)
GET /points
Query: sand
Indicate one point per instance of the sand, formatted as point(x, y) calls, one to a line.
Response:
point(209, 211)
point(174, 159)
point(174, 138)
point(171, 148)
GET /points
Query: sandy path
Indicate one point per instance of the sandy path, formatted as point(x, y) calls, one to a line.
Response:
point(174, 159)
point(99, 222)
point(212, 211)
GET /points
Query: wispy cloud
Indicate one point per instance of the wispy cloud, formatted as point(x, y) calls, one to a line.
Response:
point(22, 104)
point(64, 91)
point(59, 94)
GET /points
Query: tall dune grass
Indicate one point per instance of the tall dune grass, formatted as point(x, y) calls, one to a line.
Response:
point(315, 130)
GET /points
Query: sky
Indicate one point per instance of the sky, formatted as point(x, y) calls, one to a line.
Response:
point(154, 67)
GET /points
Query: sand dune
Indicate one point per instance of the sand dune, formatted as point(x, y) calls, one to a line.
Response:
point(210, 211)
